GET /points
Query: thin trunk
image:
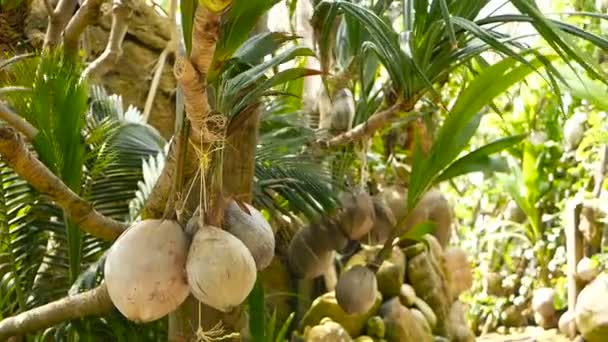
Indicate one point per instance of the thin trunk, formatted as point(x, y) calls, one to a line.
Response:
point(238, 169)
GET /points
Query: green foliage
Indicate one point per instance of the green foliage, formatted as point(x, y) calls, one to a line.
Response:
point(262, 328)
point(462, 122)
point(96, 148)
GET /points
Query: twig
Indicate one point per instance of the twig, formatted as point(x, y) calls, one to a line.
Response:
point(17, 122)
point(6, 62)
point(170, 48)
point(58, 18)
point(94, 302)
point(86, 14)
point(81, 212)
point(48, 7)
point(118, 31)
point(368, 128)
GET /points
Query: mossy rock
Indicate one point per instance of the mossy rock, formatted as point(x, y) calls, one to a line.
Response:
point(327, 306)
point(328, 330)
point(391, 274)
point(401, 324)
point(362, 257)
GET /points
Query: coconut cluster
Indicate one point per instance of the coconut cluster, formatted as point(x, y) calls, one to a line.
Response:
point(370, 220)
point(153, 267)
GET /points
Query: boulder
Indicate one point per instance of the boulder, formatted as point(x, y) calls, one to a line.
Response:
point(426, 273)
point(567, 324)
point(459, 329)
point(401, 324)
point(542, 301)
point(326, 305)
point(391, 274)
point(460, 273)
point(327, 331)
point(407, 295)
point(591, 311)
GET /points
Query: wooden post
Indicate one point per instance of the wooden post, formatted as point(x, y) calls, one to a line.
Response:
point(574, 249)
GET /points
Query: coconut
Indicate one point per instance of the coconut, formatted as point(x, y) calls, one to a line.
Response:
point(357, 214)
point(356, 290)
point(306, 257)
point(253, 230)
point(221, 270)
point(384, 224)
point(144, 270)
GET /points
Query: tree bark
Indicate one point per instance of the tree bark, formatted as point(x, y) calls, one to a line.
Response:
point(81, 212)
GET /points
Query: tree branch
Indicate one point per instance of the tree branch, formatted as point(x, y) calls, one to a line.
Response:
point(118, 31)
point(58, 18)
point(191, 74)
point(160, 66)
point(81, 212)
point(17, 122)
point(94, 302)
point(368, 128)
point(85, 15)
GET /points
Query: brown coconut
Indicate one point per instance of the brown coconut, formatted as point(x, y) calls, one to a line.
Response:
point(356, 290)
point(432, 206)
point(144, 270)
point(307, 257)
point(357, 215)
point(221, 270)
point(384, 224)
point(253, 230)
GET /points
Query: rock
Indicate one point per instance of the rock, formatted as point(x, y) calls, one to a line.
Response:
point(401, 324)
point(591, 311)
point(375, 327)
point(326, 305)
point(512, 316)
point(362, 257)
point(364, 339)
point(587, 269)
point(567, 324)
point(460, 273)
point(545, 322)
point(542, 301)
point(328, 331)
point(423, 320)
point(407, 295)
point(428, 313)
point(459, 329)
point(426, 274)
point(391, 274)
point(492, 284)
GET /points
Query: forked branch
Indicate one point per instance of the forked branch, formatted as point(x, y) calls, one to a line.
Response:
point(58, 18)
point(81, 212)
point(94, 302)
point(120, 16)
point(85, 15)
